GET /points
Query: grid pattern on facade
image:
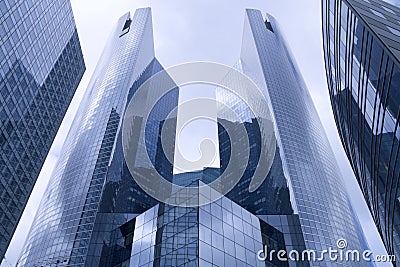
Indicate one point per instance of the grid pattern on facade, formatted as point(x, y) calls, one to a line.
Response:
point(41, 65)
point(320, 198)
point(61, 223)
point(217, 234)
point(361, 59)
point(121, 197)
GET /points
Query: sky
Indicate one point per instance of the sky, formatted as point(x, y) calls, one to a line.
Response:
point(204, 30)
point(393, 2)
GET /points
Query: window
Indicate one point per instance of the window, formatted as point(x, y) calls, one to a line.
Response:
point(389, 10)
point(127, 24)
point(379, 14)
point(394, 31)
point(126, 27)
point(269, 26)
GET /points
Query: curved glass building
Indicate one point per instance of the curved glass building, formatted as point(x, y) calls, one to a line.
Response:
point(41, 65)
point(94, 213)
point(362, 52)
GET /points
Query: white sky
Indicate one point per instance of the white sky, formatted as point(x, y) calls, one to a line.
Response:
point(206, 30)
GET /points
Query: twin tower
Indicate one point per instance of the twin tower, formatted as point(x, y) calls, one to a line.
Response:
point(115, 200)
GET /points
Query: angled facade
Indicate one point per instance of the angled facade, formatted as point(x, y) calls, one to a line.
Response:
point(362, 53)
point(94, 213)
point(41, 65)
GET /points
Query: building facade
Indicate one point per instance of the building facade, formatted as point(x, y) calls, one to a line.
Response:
point(41, 65)
point(362, 52)
point(94, 213)
point(62, 229)
point(317, 193)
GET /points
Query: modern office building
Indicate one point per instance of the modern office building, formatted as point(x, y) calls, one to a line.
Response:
point(289, 196)
point(41, 65)
point(362, 53)
point(63, 226)
point(317, 193)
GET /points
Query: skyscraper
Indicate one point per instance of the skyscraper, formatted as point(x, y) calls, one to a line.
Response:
point(362, 53)
point(41, 65)
point(64, 223)
point(95, 212)
point(317, 193)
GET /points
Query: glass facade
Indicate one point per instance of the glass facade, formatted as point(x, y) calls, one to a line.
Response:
point(64, 223)
point(317, 193)
point(218, 234)
point(362, 52)
point(41, 65)
point(95, 214)
point(302, 204)
point(122, 198)
point(272, 196)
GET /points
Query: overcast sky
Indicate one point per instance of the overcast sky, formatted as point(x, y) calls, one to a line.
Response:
point(205, 30)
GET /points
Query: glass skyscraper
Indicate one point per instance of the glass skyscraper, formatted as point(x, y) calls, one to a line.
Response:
point(362, 53)
point(41, 65)
point(94, 213)
point(62, 229)
point(313, 181)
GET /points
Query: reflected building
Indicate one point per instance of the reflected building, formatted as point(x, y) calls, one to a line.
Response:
point(41, 65)
point(95, 214)
point(362, 53)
